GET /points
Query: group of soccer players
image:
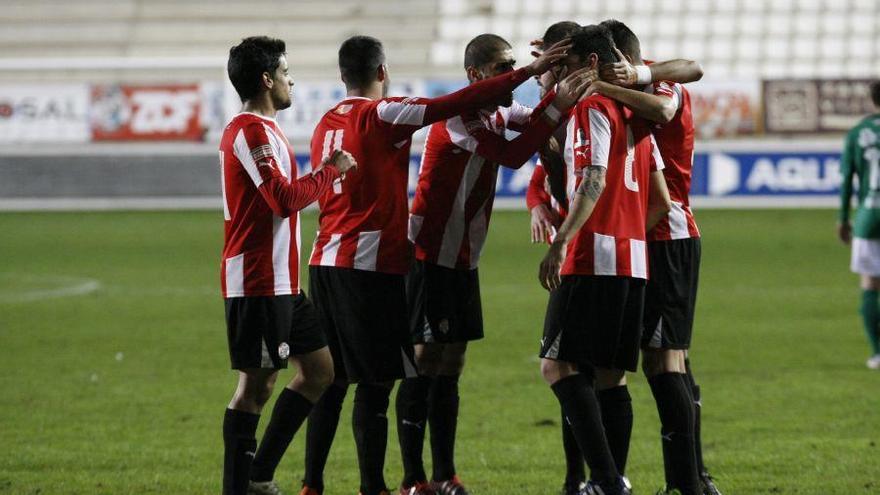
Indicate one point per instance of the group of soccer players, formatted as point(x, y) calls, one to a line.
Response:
point(615, 137)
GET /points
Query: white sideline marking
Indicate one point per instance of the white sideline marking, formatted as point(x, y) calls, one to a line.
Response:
point(69, 287)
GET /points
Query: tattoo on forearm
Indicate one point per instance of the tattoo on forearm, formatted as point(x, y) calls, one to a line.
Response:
point(593, 182)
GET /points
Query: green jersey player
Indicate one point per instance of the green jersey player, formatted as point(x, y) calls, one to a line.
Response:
point(861, 158)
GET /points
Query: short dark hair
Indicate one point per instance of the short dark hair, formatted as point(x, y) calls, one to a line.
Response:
point(625, 39)
point(359, 58)
point(482, 49)
point(875, 92)
point(594, 39)
point(248, 61)
point(558, 32)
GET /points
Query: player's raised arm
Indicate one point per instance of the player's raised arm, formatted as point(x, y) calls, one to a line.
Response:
point(410, 114)
point(847, 172)
point(252, 148)
point(625, 73)
point(516, 152)
point(658, 107)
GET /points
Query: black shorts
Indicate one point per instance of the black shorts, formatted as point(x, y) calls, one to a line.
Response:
point(671, 294)
point(595, 320)
point(264, 331)
point(366, 323)
point(444, 304)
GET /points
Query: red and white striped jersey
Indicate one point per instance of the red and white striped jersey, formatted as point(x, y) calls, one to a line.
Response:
point(261, 201)
point(604, 133)
point(363, 222)
point(676, 142)
point(449, 218)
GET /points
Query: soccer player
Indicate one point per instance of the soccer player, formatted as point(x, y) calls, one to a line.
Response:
point(362, 253)
point(269, 321)
point(597, 264)
point(674, 257)
point(448, 225)
point(861, 158)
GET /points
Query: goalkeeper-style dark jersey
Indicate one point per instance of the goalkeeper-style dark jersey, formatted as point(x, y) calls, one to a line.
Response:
point(861, 158)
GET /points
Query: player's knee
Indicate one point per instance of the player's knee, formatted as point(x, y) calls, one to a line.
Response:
point(659, 361)
point(553, 371)
point(452, 362)
point(609, 378)
point(429, 358)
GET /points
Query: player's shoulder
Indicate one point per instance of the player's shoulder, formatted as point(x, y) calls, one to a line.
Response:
point(608, 107)
point(247, 119)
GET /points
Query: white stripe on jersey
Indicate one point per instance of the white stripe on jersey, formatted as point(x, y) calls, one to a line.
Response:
point(401, 113)
point(568, 157)
point(678, 223)
point(415, 226)
point(281, 254)
point(226, 215)
point(235, 276)
point(367, 250)
point(600, 138)
point(604, 255)
point(328, 254)
point(459, 135)
point(243, 153)
point(659, 164)
point(453, 234)
point(637, 259)
point(279, 147)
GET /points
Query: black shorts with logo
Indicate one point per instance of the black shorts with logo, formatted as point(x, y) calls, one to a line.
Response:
point(444, 304)
point(596, 320)
point(671, 294)
point(366, 319)
point(263, 331)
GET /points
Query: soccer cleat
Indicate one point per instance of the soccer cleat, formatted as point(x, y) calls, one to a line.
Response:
point(708, 483)
point(573, 488)
point(263, 488)
point(420, 488)
point(873, 362)
point(619, 487)
point(450, 487)
point(309, 491)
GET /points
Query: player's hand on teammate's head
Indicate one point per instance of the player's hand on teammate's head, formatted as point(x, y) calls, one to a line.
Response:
point(549, 57)
point(621, 73)
point(844, 232)
point(342, 160)
point(573, 86)
point(538, 44)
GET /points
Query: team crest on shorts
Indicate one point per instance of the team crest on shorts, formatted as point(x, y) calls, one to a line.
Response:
point(283, 350)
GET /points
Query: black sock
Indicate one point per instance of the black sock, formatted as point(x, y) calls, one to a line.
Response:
point(412, 420)
point(581, 409)
point(370, 424)
point(617, 418)
point(443, 421)
point(323, 421)
point(698, 407)
point(290, 410)
point(239, 445)
point(574, 458)
point(677, 419)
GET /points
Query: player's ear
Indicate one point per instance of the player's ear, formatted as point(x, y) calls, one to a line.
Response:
point(473, 74)
point(268, 82)
point(593, 61)
point(381, 73)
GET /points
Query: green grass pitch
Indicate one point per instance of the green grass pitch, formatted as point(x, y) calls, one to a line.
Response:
point(114, 373)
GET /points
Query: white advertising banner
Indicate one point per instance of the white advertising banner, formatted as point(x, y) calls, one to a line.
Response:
point(44, 112)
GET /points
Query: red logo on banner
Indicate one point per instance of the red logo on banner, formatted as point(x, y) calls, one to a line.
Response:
point(146, 113)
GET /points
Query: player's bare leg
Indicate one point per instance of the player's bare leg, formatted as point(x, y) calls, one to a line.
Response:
point(315, 374)
point(240, 426)
point(871, 317)
point(575, 390)
point(666, 372)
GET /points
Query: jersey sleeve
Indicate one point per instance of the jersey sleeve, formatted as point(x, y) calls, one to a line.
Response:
point(403, 116)
point(518, 117)
point(591, 138)
point(536, 193)
point(847, 171)
point(253, 149)
point(513, 153)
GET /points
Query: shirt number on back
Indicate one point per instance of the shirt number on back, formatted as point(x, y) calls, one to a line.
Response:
point(332, 142)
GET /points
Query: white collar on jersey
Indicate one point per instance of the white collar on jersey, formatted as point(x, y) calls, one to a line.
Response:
point(257, 115)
